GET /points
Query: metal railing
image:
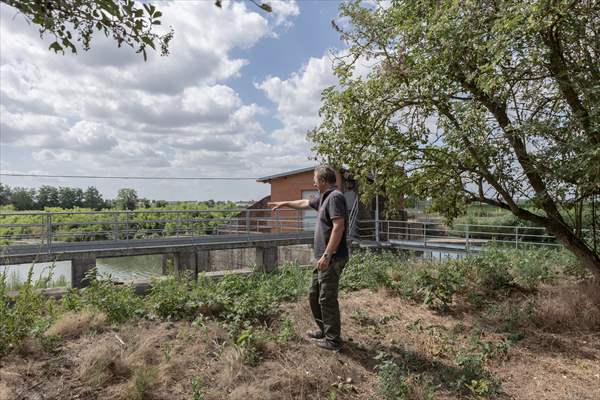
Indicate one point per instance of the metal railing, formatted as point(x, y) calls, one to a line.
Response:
point(471, 236)
point(47, 228)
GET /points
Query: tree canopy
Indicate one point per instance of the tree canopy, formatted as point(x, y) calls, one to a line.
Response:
point(478, 100)
point(74, 22)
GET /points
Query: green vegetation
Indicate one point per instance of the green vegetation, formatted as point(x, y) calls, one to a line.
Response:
point(81, 224)
point(246, 305)
point(473, 102)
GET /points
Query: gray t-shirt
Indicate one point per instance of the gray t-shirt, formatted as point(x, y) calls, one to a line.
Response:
point(330, 205)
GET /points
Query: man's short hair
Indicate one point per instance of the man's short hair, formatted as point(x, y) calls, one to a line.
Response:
point(326, 174)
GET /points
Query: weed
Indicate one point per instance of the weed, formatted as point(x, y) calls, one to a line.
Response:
point(367, 270)
point(144, 380)
point(26, 317)
point(168, 351)
point(392, 384)
point(286, 333)
point(118, 302)
point(250, 347)
point(197, 389)
point(171, 298)
point(473, 377)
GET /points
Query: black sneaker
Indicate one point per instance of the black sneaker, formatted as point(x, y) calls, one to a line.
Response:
point(328, 345)
point(316, 334)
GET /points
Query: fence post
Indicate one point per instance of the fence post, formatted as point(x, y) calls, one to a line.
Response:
point(377, 218)
point(388, 229)
point(127, 225)
point(116, 227)
point(248, 221)
point(49, 232)
point(467, 245)
point(516, 237)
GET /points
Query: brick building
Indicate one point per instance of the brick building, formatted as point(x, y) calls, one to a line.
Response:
point(298, 184)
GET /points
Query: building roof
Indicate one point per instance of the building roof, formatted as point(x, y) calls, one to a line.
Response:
point(284, 174)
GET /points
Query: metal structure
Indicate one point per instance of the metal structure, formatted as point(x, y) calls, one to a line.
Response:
point(188, 235)
point(185, 236)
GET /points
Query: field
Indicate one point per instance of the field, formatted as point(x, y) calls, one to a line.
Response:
point(518, 324)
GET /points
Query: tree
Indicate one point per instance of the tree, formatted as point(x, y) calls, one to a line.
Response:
point(474, 101)
point(70, 197)
point(92, 198)
point(23, 198)
point(72, 21)
point(126, 199)
point(47, 196)
point(5, 194)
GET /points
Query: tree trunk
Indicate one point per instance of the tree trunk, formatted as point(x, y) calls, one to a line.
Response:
point(577, 246)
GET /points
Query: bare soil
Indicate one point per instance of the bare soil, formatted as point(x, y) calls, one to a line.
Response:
point(184, 360)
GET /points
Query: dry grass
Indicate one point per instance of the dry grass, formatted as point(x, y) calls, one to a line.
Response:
point(102, 364)
point(72, 325)
point(575, 307)
point(161, 360)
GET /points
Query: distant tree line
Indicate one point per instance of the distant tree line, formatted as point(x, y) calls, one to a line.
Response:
point(22, 199)
point(64, 197)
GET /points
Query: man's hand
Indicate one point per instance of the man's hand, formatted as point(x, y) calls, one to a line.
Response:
point(276, 204)
point(323, 263)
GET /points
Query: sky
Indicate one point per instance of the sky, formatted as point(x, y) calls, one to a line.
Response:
point(235, 98)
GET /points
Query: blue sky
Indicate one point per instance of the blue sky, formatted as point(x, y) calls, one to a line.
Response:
point(235, 98)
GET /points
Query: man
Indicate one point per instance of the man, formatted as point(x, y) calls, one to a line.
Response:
point(331, 251)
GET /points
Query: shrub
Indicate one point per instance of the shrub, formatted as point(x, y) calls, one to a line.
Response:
point(367, 270)
point(30, 314)
point(171, 298)
point(491, 269)
point(473, 377)
point(118, 302)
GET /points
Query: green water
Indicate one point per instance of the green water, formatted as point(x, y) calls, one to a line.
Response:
point(121, 268)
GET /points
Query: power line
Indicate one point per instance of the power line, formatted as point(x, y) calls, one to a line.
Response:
point(173, 178)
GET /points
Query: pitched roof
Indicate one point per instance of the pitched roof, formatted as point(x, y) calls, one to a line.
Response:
point(266, 179)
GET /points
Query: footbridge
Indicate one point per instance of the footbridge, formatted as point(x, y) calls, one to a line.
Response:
point(186, 237)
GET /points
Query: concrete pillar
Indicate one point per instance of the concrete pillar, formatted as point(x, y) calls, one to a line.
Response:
point(82, 269)
point(168, 263)
point(186, 262)
point(203, 261)
point(267, 258)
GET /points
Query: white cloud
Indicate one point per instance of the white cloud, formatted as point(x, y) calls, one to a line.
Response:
point(106, 108)
point(106, 111)
point(383, 4)
point(298, 99)
point(283, 10)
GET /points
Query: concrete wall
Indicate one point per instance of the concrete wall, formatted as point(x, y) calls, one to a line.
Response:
point(225, 260)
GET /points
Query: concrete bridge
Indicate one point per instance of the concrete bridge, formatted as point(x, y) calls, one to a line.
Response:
point(187, 236)
point(188, 254)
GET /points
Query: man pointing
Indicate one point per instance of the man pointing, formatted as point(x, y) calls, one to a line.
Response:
point(331, 251)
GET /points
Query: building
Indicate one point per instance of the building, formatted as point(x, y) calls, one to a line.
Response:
point(298, 184)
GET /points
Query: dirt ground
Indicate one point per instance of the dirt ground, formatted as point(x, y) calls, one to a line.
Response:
point(185, 360)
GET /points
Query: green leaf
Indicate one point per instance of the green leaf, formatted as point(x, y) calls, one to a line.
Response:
point(267, 7)
point(56, 47)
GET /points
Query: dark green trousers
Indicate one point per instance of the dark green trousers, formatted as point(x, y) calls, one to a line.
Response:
point(323, 296)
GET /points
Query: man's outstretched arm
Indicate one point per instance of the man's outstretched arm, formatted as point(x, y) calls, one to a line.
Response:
point(296, 204)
